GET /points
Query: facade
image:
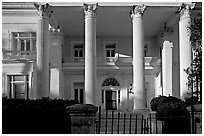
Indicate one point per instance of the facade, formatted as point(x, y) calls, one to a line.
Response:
point(115, 55)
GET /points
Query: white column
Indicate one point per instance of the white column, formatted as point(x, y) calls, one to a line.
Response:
point(43, 51)
point(138, 57)
point(167, 68)
point(90, 53)
point(184, 47)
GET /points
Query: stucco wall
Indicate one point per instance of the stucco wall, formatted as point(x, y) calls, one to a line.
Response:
point(124, 46)
point(16, 23)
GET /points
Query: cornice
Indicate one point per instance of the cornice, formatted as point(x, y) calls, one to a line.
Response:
point(18, 8)
point(17, 5)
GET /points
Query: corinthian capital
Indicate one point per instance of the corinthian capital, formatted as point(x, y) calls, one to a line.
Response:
point(184, 10)
point(44, 11)
point(137, 10)
point(90, 9)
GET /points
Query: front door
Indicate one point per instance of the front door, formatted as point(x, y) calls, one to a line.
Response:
point(111, 100)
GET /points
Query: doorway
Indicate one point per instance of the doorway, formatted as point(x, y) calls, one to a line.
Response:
point(111, 100)
point(111, 94)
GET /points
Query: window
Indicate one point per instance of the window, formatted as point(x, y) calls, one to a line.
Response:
point(146, 49)
point(19, 86)
point(78, 95)
point(79, 92)
point(78, 51)
point(110, 49)
point(110, 82)
point(24, 41)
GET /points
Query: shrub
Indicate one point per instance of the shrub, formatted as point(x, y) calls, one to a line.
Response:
point(35, 116)
point(173, 112)
point(168, 106)
point(191, 100)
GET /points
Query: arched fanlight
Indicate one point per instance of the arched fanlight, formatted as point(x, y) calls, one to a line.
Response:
point(110, 82)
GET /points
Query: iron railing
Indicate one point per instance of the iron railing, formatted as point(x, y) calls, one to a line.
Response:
point(116, 122)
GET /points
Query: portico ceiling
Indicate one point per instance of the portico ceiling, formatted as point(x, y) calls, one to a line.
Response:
point(112, 20)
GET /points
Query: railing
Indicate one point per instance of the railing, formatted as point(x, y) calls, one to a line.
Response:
point(19, 55)
point(116, 122)
point(73, 59)
point(113, 60)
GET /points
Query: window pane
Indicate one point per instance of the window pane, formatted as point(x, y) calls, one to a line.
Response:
point(22, 45)
point(112, 53)
point(113, 95)
point(75, 53)
point(102, 94)
point(27, 45)
point(107, 53)
point(24, 34)
point(19, 78)
point(118, 96)
point(34, 44)
point(81, 96)
point(80, 53)
point(76, 94)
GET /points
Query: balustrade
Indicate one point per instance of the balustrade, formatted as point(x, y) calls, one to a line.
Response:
point(19, 55)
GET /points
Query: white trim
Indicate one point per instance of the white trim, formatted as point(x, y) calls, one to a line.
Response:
point(22, 31)
point(25, 83)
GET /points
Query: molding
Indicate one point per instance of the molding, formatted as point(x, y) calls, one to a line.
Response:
point(113, 4)
point(17, 5)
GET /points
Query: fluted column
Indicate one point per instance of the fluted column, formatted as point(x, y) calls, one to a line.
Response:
point(184, 46)
point(43, 50)
point(90, 52)
point(138, 57)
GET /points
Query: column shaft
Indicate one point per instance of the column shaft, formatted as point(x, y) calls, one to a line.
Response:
point(138, 59)
point(42, 54)
point(90, 53)
point(184, 48)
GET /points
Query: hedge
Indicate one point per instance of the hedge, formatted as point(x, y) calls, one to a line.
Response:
point(41, 116)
